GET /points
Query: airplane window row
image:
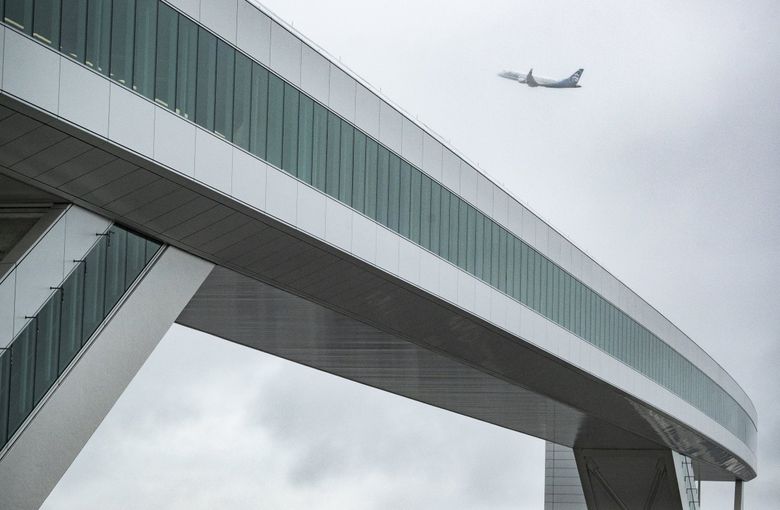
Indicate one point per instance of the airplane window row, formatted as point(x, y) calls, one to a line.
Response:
point(161, 54)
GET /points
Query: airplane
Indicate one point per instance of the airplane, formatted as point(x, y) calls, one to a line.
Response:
point(533, 81)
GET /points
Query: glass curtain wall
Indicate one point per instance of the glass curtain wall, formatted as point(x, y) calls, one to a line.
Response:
point(42, 351)
point(185, 68)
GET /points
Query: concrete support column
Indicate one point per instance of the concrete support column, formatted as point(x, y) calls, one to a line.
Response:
point(739, 495)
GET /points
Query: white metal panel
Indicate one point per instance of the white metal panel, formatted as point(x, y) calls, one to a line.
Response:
point(498, 306)
point(341, 98)
point(80, 229)
point(174, 141)
point(7, 298)
point(253, 32)
point(131, 121)
point(409, 261)
point(367, 111)
point(500, 199)
point(364, 237)
point(468, 183)
point(387, 250)
point(249, 174)
point(450, 175)
point(338, 225)
point(515, 220)
point(541, 235)
point(213, 161)
point(554, 247)
point(40, 270)
point(285, 54)
point(390, 127)
point(429, 271)
point(189, 7)
point(448, 282)
point(36, 73)
point(514, 316)
point(467, 291)
point(432, 157)
point(485, 195)
point(281, 195)
point(482, 307)
point(412, 143)
point(311, 210)
point(315, 74)
point(220, 16)
point(84, 97)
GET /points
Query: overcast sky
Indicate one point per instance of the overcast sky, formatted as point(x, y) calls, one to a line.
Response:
point(663, 167)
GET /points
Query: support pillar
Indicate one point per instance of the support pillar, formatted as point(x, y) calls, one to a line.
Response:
point(739, 495)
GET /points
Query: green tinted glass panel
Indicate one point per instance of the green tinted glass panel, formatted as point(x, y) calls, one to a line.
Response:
point(166, 63)
point(346, 162)
point(394, 195)
point(444, 224)
point(94, 289)
point(372, 153)
point(305, 138)
point(273, 149)
point(383, 185)
point(46, 22)
point(333, 156)
point(73, 36)
point(145, 41)
point(186, 68)
point(242, 99)
point(19, 14)
point(98, 35)
point(115, 266)
point(72, 310)
point(416, 197)
point(359, 172)
point(452, 251)
point(258, 126)
point(22, 377)
point(5, 382)
point(405, 199)
point(47, 346)
point(425, 211)
point(471, 234)
point(122, 37)
point(223, 106)
point(205, 92)
point(462, 247)
point(290, 130)
point(479, 245)
point(435, 216)
point(319, 148)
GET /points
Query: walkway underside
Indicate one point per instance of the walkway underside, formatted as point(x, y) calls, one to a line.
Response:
point(405, 341)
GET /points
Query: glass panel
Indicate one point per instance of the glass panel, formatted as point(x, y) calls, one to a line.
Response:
point(414, 216)
point(47, 346)
point(435, 216)
point(479, 245)
point(223, 109)
point(115, 267)
point(333, 156)
point(290, 133)
point(122, 29)
point(5, 374)
point(136, 257)
point(18, 14)
point(46, 22)
point(242, 97)
point(359, 172)
point(371, 177)
point(425, 211)
point(394, 195)
point(259, 115)
point(383, 185)
point(319, 148)
point(167, 38)
point(345, 165)
point(273, 149)
point(70, 324)
point(20, 400)
point(145, 42)
point(444, 224)
point(463, 224)
point(94, 288)
point(73, 37)
point(186, 68)
point(206, 80)
point(453, 249)
point(98, 35)
point(405, 199)
point(305, 138)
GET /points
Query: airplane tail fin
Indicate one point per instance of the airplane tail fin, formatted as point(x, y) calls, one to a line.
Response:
point(529, 79)
point(574, 78)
